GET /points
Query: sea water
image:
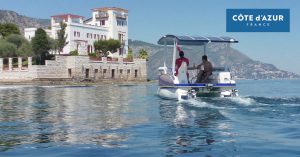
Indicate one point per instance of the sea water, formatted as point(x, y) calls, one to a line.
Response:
point(116, 120)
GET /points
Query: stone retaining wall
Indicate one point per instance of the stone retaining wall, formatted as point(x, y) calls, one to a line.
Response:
point(77, 68)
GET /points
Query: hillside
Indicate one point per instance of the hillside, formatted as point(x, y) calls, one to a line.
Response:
point(241, 65)
point(7, 16)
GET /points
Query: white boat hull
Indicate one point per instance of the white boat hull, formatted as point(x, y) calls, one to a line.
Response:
point(176, 93)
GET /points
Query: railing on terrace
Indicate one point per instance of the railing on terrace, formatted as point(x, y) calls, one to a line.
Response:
point(111, 60)
point(15, 63)
point(121, 15)
point(102, 15)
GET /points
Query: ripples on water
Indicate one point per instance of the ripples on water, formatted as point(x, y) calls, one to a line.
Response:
point(131, 121)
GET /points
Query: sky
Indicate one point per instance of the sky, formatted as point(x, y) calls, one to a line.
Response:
point(151, 19)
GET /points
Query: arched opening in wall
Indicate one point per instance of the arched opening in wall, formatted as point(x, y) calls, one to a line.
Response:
point(5, 64)
point(70, 73)
point(104, 72)
point(25, 63)
point(96, 74)
point(120, 73)
point(128, 73)
point(87, 71)
point(14, 62)
point(113, 73)
point(135, 73)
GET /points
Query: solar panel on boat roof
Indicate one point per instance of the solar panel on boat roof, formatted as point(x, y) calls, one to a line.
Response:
point(229, 39)
point(215, 39)
point(193, 40)
point(184, 38)
point(200, 38)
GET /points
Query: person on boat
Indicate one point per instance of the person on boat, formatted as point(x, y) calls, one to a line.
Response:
point(181, 65)
point(204, 70)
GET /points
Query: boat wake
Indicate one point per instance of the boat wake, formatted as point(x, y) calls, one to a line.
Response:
point(276, 100)
point(243, 101)
point(197, 103)
point(249, 102)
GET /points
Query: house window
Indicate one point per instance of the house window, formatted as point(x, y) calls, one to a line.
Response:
point(87, 35)
point(121, 22)
point(95, 36)
point(104, 37)
point(102, 23)
point(121, 71)
point(98, 36)
point(78, 34)
point(75, 33)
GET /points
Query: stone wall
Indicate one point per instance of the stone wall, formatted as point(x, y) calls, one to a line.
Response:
point(77, 68)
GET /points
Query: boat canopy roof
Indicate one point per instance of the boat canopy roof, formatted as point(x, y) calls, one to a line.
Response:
point(193, 40)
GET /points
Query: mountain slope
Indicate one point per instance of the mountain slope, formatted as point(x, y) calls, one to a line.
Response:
point(7, 16)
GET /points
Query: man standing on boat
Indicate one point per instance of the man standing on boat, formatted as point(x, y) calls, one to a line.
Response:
point(205, 70)
point(181, 65)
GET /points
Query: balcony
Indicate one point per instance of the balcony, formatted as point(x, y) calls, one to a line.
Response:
point(101, 15)
point(121, 15)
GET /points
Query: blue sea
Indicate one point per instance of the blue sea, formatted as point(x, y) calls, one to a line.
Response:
point(131, 121)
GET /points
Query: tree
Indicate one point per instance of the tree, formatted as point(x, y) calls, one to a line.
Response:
point(40, 45)
point(7, 29)
point(53, 44)
point(25, 50)
point(61, 37)
point(7, 49)
point(143, 54)
point(16, 39)
point(103, 46)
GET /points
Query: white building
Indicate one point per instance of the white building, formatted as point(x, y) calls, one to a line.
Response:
point(105, 23)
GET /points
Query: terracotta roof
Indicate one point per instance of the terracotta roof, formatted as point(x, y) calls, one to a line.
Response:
point(65, 16)
point(110, 8)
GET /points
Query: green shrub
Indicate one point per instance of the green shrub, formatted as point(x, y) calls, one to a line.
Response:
point(74, 53)
point(93, 55)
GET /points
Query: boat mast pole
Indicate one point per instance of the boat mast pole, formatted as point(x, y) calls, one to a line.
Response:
point(165, 46)
point(174, 57)
point(227, 53)
point(204, 48)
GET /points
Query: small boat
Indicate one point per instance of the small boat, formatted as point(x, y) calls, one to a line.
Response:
point(220, 83)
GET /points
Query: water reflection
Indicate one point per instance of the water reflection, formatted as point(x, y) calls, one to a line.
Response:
point(191, 129)
point(67, 116)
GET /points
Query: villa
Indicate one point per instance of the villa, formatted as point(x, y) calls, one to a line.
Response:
point(105, 23)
